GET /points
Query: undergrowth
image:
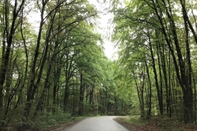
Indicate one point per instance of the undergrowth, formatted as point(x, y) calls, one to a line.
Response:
point(48, 119)
point(159, 123)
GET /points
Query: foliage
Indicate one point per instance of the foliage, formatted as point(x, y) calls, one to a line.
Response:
point(158, 124)
point(57, 70)
point(54, 68)
point(47, 120)
point(156, 40)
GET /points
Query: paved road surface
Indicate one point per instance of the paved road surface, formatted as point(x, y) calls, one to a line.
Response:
point(103, 123)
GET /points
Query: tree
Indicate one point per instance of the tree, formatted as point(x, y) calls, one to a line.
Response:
point(46, 59)
point(157, 25)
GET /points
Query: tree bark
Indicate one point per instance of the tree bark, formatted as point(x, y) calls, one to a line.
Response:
point(156, 78)
point(150, 92)
point(81, 95)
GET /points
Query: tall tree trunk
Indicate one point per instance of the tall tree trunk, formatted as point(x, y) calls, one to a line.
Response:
point(56, 74)
point(188, 95)
point(187, 20)
point(169, 100)
point(160, 71)
point(178, 62)
point(66, 94)
point(150, 91)
point(156, 78)
point(7, 42)
point(81, 95)
point(32, 87)
point(91, 100)
point(8, 34)
point(140, 91)
point(68, 74)
point(46, 53)
point(195, 98)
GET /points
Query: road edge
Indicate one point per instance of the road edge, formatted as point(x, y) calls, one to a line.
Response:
point(121, 121)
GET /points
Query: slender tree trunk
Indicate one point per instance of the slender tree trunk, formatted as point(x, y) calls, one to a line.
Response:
point(140, 91)
point(8, 34)
point(195, 98)
point(187, 20)
point(188, 97)
point(150, 92)
point(91, 99)
point(66, 94)
point(81, 95)
point(47, 84)
point(170, 85)
point(180, 67)
point(56, 74)
point(156, 78)
point(32, 87)
point(160, 72)
point(7, 42)
point(163, 63)
point(68, 74)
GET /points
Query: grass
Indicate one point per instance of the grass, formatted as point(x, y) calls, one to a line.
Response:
point(63, 125)
point(158, 123)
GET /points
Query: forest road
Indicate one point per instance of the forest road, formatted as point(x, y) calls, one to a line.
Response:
point(103, 123)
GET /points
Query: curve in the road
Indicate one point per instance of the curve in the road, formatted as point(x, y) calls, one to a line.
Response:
point(104, 123)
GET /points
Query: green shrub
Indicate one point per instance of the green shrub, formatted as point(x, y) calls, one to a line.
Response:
point(52, 122)
point(47, 119)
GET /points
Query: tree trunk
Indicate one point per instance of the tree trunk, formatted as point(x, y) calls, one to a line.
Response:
point(66, 94)
point(187, 20)
point(150, 92)
point(140, 91)
point(8, 34)
point(160, 72)
point(188, 94)
point(180, 67)
point(195, 98)
point(188, 106)
point(81, 95)
point(156, 78)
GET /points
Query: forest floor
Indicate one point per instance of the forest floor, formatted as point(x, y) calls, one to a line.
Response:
point(63, 126)
point(135, 124)
point(155, 124)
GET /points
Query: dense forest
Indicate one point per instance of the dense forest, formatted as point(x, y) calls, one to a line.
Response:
point(57, 69)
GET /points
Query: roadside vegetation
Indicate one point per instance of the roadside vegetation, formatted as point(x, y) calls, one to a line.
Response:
point(157, 57)
point(52, 65)
point(157, 123)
